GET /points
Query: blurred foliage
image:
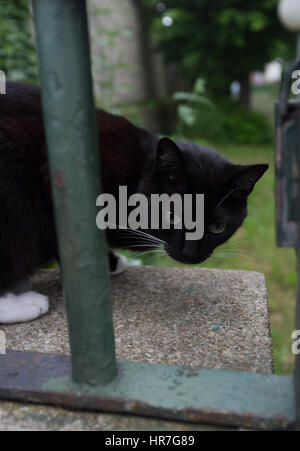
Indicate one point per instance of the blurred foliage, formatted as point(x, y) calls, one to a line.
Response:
point(221, 123)
point(17, 53)
point(220, 42)
point(242, 126)
point(189, 103)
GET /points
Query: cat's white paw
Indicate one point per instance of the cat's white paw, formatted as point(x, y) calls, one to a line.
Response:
point(22, 308)
point(121, 265)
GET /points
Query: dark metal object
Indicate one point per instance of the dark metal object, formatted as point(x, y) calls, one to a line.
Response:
point(227, 398)
point(70, 121)
point(297, 357)
point(288, 164)
point(288, 188)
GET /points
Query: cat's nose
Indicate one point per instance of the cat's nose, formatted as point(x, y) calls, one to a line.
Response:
point(190, 251)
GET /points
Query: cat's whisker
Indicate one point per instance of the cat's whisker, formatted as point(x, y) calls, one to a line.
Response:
point(226, 197)
point(169, 251)
point(147, 235)
point(221, 257)
point(240, 251)
point(138, 232)
point(133, 246)
point(142, 240)
point(226, 252)
point(150, 259)
point(234, 256)
point(148, 238)
point(238, 240)
point(147, 252)
point(233, 251)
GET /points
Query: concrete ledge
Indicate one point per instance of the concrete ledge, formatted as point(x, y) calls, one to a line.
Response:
point(195, 317)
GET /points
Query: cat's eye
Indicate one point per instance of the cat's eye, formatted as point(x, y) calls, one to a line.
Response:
point(171, 218)
point(217, 228)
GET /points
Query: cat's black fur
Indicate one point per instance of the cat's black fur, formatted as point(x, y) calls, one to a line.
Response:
point(130, 156)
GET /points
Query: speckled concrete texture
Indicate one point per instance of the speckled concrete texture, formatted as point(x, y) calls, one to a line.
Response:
point(21, 417)
point(185, 316)
point(196, 317)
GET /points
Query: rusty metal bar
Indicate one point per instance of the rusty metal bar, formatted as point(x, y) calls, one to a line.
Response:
point(229, 398)
point(71, 129)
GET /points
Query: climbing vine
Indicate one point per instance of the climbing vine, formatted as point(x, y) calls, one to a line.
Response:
point(17, 53)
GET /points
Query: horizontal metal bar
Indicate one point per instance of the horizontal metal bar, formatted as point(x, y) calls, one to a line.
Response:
point(228, 398)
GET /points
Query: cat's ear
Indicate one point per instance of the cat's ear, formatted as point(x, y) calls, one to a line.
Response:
point(244, 178)
point(168, 154)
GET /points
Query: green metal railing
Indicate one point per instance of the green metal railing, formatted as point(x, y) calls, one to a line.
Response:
point(71, 129)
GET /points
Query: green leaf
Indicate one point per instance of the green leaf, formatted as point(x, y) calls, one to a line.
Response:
point(187, 115)
point(193, 98)
point(199, 86)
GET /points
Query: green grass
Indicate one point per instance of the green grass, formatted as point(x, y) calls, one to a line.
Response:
point(258, 252)
point(263, 99)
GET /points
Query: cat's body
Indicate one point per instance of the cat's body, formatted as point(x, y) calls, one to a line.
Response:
point(130, 157)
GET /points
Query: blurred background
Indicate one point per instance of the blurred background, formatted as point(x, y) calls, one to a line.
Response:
point(199, 70)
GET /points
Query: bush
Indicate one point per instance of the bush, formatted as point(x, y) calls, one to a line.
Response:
point(242, 126)
point(229, 123)
point(17, 51)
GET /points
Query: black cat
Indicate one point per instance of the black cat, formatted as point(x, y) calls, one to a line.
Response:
point(130, 157)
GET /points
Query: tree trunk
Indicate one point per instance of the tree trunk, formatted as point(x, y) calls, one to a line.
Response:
point(146, 50)
point(245, 93)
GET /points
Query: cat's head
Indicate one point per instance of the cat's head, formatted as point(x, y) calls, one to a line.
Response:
point(187, 168)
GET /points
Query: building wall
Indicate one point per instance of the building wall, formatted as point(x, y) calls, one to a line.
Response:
point(125, 68)
point(119, 62)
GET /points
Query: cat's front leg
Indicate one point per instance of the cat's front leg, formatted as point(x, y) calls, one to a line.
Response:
point(22, 308)
point(22, 287)
point(117, 264)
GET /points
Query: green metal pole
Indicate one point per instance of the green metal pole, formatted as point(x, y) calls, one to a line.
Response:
point(70, 122)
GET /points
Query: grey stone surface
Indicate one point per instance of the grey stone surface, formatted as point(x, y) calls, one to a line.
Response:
point(20, 417)
point(196, 317)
